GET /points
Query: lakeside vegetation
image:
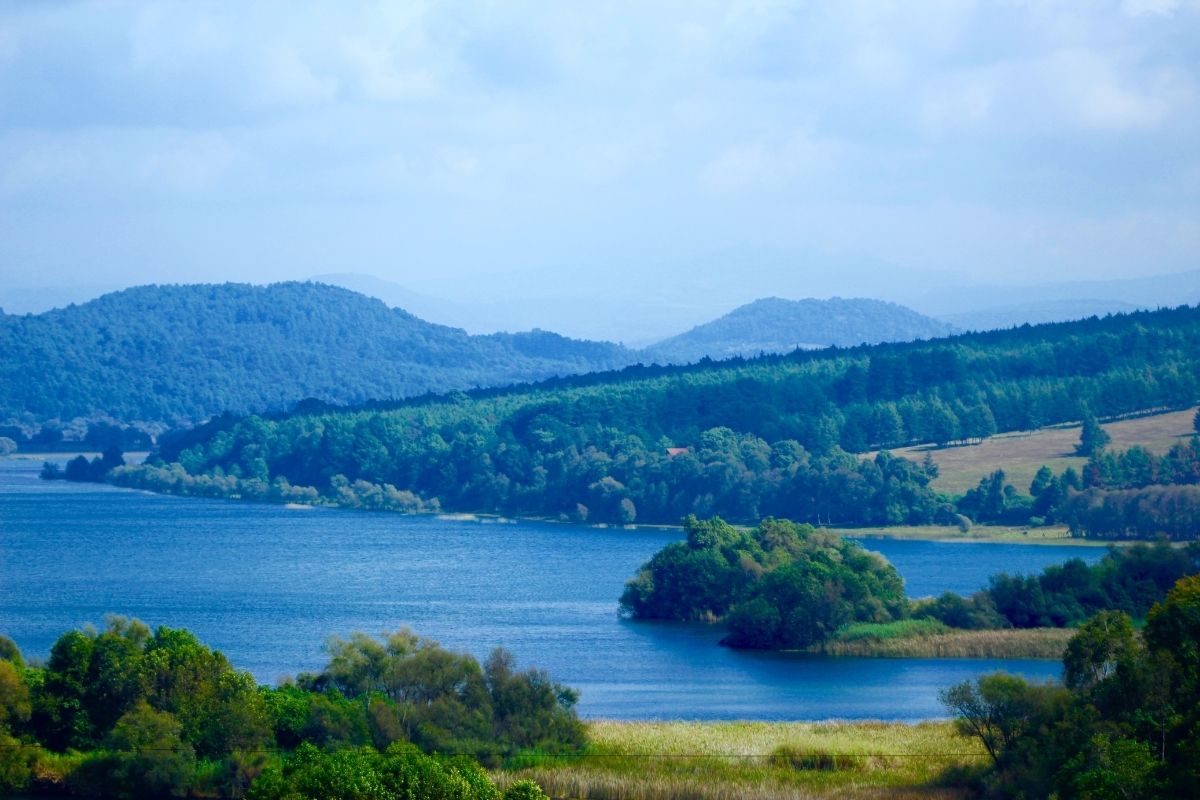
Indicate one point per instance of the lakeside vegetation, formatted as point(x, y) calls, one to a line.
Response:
point(768, 760)
point(743, 439)
point(127, 712)
point(1125, 723)
point(925, 638)
point(788, 586)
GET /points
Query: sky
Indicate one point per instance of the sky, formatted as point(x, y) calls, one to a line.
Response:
point(622, 151)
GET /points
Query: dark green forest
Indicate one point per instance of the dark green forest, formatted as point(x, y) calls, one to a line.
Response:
point(743, 439)
point(128, 712)
point(165, 355)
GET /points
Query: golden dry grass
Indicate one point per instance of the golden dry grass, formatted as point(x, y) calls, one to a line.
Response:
point(734, 761)
point(1021, 454)
point(1045, 643)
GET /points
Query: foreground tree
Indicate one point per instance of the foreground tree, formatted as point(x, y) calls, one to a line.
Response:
point(1126, 725)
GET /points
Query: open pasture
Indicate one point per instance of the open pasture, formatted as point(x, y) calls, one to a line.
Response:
point(1020, 454)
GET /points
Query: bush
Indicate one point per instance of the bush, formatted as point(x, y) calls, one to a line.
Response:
point(366, 774)
point(525, 790)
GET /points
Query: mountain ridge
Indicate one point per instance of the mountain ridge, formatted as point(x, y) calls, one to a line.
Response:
point(776, 325)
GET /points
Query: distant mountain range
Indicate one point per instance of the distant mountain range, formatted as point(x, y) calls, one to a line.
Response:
point(176, 354)
point(1035, 313)
point(166, 355)
point(774, 325)
point(989, 307)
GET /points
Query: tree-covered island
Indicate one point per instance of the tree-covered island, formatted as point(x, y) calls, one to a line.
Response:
point(789, 586)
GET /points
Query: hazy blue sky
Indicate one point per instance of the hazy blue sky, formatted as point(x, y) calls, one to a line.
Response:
point(468, 149)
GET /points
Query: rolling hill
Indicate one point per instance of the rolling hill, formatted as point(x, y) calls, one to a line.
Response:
point(179, 354)
point(743, 438)
point(774, 325)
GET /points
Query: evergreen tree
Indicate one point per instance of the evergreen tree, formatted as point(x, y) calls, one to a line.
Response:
point(1092, 438)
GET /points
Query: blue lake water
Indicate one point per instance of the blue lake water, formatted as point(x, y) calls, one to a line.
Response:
point(267, 584)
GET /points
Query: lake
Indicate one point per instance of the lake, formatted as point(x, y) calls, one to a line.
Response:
point(267, 584)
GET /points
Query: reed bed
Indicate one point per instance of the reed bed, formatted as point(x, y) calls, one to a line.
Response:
point(1042, 643)
point(741, 760)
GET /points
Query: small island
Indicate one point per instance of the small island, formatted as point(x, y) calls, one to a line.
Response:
point(788, 586)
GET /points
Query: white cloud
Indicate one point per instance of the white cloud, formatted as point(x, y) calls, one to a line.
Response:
point(190, 162)
point(536, 119)
point(771, 162)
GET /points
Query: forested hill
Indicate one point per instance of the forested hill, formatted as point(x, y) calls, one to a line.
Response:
point(183, 353)
point(774, 325)
point(743, 438)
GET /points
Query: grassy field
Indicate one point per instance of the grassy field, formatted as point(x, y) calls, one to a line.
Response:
point(1044, 643)
point(769, 760)
point(1051, 534)
point(1021, 454)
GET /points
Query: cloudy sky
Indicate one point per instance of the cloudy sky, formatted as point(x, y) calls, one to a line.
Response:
point(472, 150)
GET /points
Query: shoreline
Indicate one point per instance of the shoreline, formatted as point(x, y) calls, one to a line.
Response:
point(979, 534)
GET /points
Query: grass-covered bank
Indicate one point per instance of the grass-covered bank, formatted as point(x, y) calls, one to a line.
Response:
point(994, 534)
point(734, 760)
point(926, 638)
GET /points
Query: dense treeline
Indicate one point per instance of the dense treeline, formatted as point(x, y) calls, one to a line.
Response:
point(180, 354)
point(788, 586)
point(1134, 493)
point(127, 712)
point(1129, 579)
point(1125, 724)
point(742, 439)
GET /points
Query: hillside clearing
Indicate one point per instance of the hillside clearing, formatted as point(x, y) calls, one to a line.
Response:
point(1022, 453)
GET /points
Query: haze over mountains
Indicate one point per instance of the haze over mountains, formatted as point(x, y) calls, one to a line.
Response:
point(172, 354)
point(165, 355)
point(589, 304)
point(774, 325)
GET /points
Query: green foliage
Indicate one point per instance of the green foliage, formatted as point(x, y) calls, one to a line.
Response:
point(10, 652)
point(132, 713)
point(739, 439)
point(1130, 579)
point(1125, 724)
point(995, 501)
point(169, 354)
point(1120, 769)
point(778, 586)
point(406, 688)
point(1133, 493)
point(973, 613)
point(81, 470)
point(525, 790)
point(1103, 644)
point(15, 706)
point(94, 679)
point(366, 774)
point(998, 709)
point(1092, 438)
point(883, 631)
